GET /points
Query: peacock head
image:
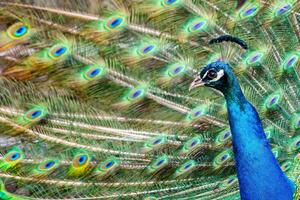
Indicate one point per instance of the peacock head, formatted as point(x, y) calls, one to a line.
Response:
point(217, 75)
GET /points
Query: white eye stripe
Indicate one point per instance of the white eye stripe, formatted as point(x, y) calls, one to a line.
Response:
point(220, 74)
point(205, 74)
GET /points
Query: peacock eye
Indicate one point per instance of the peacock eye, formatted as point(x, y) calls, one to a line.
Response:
point(212, 74)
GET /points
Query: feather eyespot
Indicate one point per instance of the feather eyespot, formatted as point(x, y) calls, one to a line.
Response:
point(156, 141)
point(175, 70)
point(45, 168)
point(297, 143)
point(296, 121)
point(196, 26)
point(248, 10)
point(148, 49)
point(80, 160)
point(158, 164)
point(290, 62)
point(222, 158)
point(273, 100)
point(155, 144)
point(80, 164)
point(11, 159)
point(109, 165)
point(48, 165)
point(135, 94)
point(58, 51)
point(13, 156)
point(194, 142)
point(186, 168)
point(254, 58)
point(18, 31)
point(283, 9)
point(35, 114)
point(294, 144)
point(286, 166)
point(107, 168)
point(192, 145)
point(228, 182)
point(169, 2)
point(196, 113)
point(115, 23)
point(21, 31)
point(223, 137)
point(95, 72)
point(226, 135)
point(92, 72)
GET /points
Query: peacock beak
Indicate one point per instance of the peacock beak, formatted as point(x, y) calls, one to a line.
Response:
point(196, 83)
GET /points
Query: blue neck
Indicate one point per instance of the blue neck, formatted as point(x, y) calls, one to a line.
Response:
point(260, 176)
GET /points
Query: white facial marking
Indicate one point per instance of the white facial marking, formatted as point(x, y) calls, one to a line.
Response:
point(220, 75)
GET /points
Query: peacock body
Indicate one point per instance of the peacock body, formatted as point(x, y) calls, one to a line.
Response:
point(95, 100)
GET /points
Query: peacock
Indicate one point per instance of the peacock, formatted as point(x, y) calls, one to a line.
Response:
point(99, 99)
point(255, 162)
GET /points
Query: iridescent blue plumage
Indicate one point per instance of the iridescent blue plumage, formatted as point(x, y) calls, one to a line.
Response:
point(259, 174)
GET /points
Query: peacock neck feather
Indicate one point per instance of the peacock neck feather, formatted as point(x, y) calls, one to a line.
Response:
point(260, 176)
